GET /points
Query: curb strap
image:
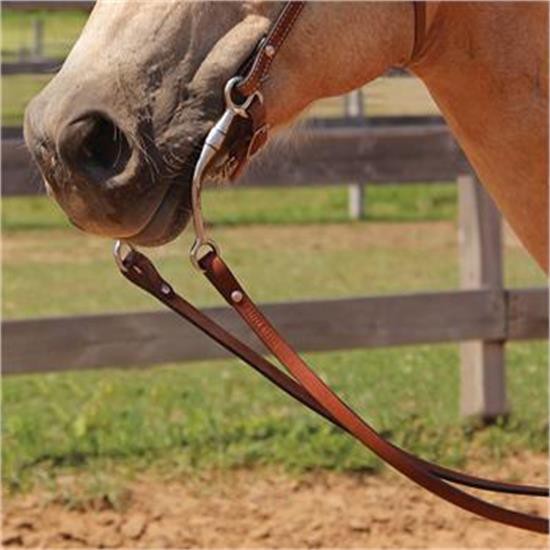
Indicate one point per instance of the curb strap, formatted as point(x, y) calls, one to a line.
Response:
point(307, 388)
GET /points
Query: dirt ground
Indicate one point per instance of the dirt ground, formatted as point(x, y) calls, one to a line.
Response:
point(266, 509)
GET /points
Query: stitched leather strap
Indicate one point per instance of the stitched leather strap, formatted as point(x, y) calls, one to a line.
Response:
point(270, 47)
point(310, 390)
point(223, 280)
point(255, 70)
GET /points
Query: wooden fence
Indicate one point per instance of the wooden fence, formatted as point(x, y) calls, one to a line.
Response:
point(341, 151)
point(145, 338)
point(483, 315)
point(328, 152)
point(31, 66)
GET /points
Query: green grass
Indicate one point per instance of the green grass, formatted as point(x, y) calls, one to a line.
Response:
point(112, 424)
point(40, 251)
point(61, 29)
point(83, 268)
point(38, 236)
point(241, 206)
point(180, 418)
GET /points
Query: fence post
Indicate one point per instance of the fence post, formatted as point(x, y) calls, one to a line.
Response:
point(482, 363)
point(356, 191)
point(38, 38)
point(356, 200)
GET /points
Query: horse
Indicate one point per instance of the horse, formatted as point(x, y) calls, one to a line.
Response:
point(117, 131)
point(128, 161)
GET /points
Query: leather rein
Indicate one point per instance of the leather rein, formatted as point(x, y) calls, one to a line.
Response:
point(244, 103)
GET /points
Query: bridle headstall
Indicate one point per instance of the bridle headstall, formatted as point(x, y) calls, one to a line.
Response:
point(244, 101)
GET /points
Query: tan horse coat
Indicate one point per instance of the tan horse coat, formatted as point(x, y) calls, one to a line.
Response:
point(484, 63)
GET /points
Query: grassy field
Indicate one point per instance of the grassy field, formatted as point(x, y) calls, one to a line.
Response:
point(112, 424)
point(287, 244)
point(233, 205)
point(17, 91)
point(293, 222)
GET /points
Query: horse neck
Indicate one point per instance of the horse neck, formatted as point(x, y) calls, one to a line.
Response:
point(486, 66)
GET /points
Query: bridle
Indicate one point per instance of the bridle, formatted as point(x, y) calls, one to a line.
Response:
point(244, 103)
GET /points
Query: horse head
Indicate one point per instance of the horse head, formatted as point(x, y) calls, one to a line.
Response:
point(118, 130)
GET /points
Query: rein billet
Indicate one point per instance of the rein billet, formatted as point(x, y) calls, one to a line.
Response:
point(302, 383)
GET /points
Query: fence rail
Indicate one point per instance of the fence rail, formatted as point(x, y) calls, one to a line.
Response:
point(132, 339)
point(31, 66)
point(329, 152)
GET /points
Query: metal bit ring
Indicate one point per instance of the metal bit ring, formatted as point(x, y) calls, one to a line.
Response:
point(118, 253)
point(196, 249)
point(240, 109)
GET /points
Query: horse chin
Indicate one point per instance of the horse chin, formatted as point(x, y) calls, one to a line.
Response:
point(168, 221)
point(174, 211)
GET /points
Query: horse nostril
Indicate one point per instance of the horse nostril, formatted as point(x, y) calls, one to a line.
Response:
point(95, 147)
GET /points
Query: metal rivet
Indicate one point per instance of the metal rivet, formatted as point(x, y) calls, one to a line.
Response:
point(165, 289)
point(237, 296)
point(269, 51)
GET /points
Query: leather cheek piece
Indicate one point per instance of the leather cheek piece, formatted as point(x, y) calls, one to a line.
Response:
point(247, 137)
point(244, 154)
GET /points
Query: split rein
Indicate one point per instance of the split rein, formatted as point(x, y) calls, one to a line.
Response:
point(302, 383)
